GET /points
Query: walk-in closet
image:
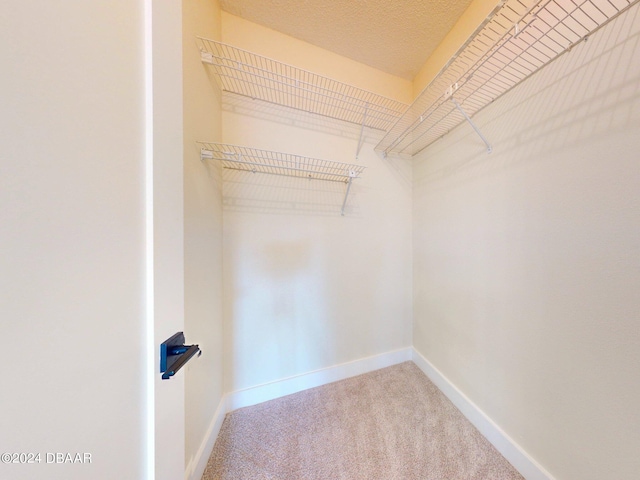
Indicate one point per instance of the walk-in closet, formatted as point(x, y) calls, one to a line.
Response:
point(316, 240)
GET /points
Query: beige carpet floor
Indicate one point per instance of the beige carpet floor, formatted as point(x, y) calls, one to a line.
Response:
point(391, 424)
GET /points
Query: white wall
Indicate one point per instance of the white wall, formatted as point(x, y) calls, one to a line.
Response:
point(202, 234)
point(305, 288)
point(72, 236)
point(526, 261)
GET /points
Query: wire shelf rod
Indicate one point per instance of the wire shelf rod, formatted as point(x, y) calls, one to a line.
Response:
point(308, 88)
point(348, 107)
point(327, 106)
point(251, 75)
point(283, 163)
point(484, 59)
point(235, 157)
point(342, 176)
point(516, 40)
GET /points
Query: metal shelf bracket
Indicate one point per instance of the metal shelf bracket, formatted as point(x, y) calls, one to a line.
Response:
point(464, 114)
point(364, 119)
point(206, 57)
point(205, 154)
point(352, 175)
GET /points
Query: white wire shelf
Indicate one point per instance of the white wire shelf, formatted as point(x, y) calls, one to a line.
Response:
point(254, 160)
point(245, 73)
point(517, 39)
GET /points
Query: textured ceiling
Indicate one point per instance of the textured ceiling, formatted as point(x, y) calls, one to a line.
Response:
point(395, 36)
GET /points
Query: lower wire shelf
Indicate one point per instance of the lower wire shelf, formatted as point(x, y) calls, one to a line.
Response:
point(254, 160)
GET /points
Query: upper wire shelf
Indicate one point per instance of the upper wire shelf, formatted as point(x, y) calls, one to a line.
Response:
point(254, 160)
point(518, 38)
point(245, 73)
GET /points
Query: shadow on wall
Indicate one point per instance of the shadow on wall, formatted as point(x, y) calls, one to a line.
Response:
point(570, 101)
point(298, 118)
point(262, 193)
point(278, 322)
point(270, 194)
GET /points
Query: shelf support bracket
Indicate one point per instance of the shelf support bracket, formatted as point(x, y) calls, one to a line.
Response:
point(352, 175)
point(205, 154)
point(464, 114)
point(206, 57)
point(364, 119)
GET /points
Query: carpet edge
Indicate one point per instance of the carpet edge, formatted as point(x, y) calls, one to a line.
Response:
point(508, 448)
point(196, 467)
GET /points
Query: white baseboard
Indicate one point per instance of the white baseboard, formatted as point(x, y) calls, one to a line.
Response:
point(316, 378)
point(509, 449)
point(280, 388)
point(198, 463)
point(521, 461)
